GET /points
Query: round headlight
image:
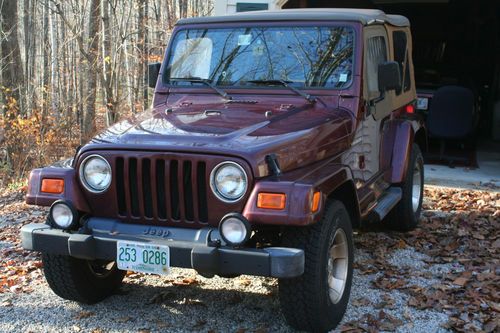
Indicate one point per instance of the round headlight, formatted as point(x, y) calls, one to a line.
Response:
point(62, 215)
point(95, 173)
point(234, 229)
point(229, 181)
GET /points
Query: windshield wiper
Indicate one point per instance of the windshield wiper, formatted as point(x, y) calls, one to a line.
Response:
point(207, 82)
point(284, 83)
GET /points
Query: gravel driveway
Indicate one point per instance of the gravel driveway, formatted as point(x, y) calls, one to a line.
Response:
point(392, 275)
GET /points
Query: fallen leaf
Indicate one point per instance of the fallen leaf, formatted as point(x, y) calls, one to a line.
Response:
point(461, 281)
point(161, 323)
point(363, 301)
point(200, 323)
point(123, 319)
point(244, 282)
point(491, 326)
point(6, 303)
point(185, 282)
point(161, 297)
point(84, 314)
point(496, 244)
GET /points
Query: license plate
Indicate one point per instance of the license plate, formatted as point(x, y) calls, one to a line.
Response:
point(143, 257)
point(422, 103)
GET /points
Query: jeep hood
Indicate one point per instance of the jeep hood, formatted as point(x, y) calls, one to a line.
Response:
point(298, 133)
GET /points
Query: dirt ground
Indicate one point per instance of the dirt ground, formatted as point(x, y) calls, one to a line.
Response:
point(443, 276)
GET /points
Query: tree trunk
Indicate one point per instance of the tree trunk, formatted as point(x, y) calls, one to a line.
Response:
point(183, 8)
point(54, 67)
point(32, 55)
point(27, 46)
point(141, 45)
point(45, 76)
point(89, 125)
point(145, 60)
point(170, 15)
point(130, 83)
point(12, 74)
point(107, 66)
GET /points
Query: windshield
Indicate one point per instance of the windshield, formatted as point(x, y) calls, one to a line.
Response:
point(304, 56)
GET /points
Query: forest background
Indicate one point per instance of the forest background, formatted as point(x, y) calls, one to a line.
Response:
point(70, 68)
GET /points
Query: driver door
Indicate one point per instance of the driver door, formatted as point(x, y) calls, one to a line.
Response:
point(376, 52)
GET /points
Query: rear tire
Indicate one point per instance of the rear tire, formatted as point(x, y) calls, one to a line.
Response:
point(84, 281)
point(317, 300)
point(405, 216)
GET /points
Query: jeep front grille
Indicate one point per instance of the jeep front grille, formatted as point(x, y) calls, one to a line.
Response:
point(162, 189)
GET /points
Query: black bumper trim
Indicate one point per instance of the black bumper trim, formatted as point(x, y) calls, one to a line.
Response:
point(188, 250)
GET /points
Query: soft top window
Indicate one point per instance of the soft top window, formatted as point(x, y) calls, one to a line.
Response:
point(376, 55)
point(400, 44)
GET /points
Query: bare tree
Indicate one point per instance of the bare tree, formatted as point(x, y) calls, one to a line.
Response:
point(12, 68)
point(89, 125)
point(107, 65)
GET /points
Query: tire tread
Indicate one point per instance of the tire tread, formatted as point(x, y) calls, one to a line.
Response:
point(69, 278)
point(298, 296)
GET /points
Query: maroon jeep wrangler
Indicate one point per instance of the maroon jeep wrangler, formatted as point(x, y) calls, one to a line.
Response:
point(272, 135)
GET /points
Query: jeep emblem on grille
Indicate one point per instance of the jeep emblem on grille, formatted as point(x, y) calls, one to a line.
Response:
point(156, 232)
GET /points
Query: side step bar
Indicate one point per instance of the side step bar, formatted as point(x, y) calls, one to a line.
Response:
point(387, 201)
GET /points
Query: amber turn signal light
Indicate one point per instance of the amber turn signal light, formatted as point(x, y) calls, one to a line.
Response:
point(271, 200)
point(315, 202)
point(55, 186)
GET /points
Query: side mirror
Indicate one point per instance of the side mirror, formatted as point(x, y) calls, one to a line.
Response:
point(389, 77)
point(153, 72)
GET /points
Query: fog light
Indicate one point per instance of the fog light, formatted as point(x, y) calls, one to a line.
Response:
point(234, 229)
point(62, 215)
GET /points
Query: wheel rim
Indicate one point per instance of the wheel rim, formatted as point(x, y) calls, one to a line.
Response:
point(338, 262)
point(416, 192)
point(101, 268)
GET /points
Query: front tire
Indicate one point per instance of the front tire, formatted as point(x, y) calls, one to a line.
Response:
point(83, 281)
point(317, 300)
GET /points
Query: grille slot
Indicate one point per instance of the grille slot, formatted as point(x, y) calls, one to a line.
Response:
point(132, 181)
point(174, 190)
point(202, 191)
point(146, 188)
point(188, 190)
point(161, 189)
point(120, 187)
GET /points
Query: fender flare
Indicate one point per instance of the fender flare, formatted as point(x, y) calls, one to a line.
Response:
point(396, 149)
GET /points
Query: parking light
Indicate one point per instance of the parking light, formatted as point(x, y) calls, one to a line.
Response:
point(54, 186)
point(315, 202)
point(271, 201)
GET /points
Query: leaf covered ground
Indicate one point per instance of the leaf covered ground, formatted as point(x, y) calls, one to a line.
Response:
point(447, 270)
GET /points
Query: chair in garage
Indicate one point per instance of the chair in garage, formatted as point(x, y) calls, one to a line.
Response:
point(452, 119)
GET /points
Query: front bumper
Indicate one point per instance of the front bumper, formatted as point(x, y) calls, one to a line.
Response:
point(189, 248)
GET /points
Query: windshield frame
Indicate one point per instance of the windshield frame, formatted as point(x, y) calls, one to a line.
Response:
point(285, 24)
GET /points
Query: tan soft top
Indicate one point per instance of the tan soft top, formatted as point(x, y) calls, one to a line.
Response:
point(364, 16)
